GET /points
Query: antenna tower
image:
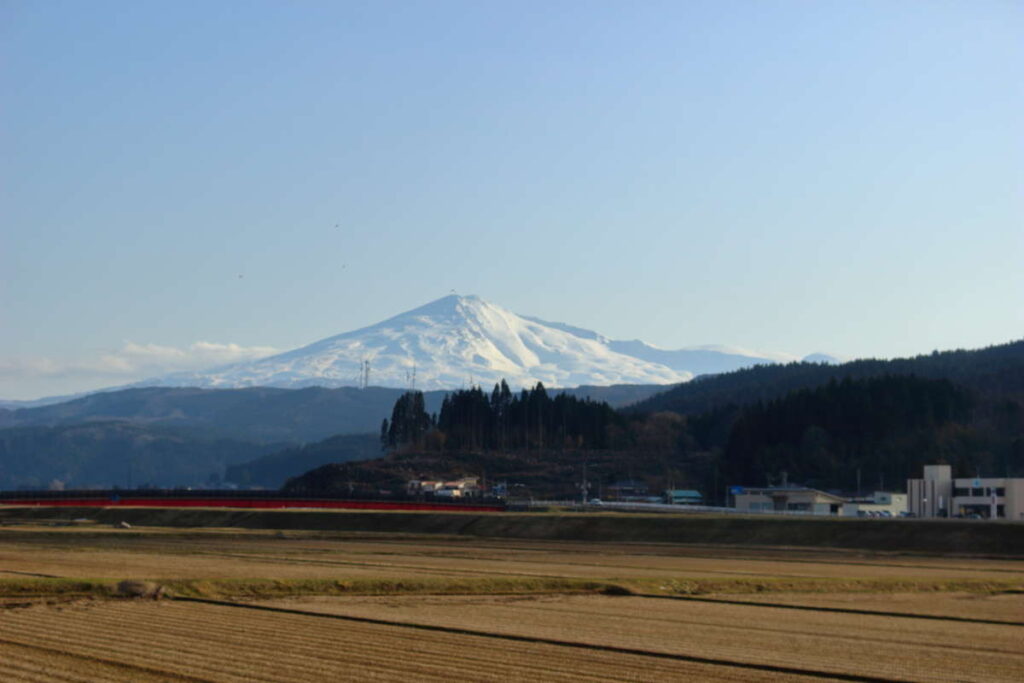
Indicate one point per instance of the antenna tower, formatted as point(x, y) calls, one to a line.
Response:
point(364, 374)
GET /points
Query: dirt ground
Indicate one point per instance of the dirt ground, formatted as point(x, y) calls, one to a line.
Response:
point(132, 641)
point(666, 625)
point(881, 646)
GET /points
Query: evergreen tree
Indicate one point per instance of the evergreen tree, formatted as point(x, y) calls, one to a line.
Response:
point(409, 421)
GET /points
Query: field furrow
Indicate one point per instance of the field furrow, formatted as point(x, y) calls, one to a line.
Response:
point(363, 650)
point(417, 608)
point(126, 646)
point(878, 646)
point(32, 662)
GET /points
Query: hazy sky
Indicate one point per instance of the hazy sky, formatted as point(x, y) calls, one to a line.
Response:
point(185, 183)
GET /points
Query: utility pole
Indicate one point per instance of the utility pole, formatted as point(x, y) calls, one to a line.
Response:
point(583, 485)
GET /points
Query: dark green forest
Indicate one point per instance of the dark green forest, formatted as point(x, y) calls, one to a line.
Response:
point(992, 371)
point(877, 431)
point(472, 420)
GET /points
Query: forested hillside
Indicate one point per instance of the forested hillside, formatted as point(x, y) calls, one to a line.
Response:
point(996, 370)
point(877, 431)
point(848, 433)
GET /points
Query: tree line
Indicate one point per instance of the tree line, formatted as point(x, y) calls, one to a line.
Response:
point(472, 420)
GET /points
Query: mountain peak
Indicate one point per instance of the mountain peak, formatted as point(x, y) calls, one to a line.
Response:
point(452, 304)
point(462, 340)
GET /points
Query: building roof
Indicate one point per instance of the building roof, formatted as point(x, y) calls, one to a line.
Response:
point(780, 490)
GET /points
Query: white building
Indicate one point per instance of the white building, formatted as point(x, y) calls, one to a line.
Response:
point(786, 499)
point(938, 494)
point(883, 503)
point(466, 487)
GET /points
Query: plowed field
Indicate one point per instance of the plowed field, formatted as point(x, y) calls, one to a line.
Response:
point(878, 646)
point(313, 606)
point(131, 641)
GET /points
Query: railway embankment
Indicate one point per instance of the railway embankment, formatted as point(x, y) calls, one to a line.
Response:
point(964, 537)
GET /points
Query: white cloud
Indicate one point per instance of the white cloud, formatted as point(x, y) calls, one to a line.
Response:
point(133, 361)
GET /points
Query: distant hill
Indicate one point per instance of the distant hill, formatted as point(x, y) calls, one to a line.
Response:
point(257, 414)
point(261, 414)
point(116, 453)
point(35, 403)
point(87, 438)
point(271, 471)
point(993, 370)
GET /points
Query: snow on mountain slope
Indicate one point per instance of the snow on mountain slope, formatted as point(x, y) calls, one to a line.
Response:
point(823, 358)
point(699, 360)
point(458, 341)
point(449, 343)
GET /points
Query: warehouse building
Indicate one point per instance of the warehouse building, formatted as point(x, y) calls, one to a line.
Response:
point(786, 499)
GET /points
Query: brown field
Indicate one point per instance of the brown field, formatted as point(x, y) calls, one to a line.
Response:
point(415, 607)
point(818, 641)
point(113, 553)
point(209, 642)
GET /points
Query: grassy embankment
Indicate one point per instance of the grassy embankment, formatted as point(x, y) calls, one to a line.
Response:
point(883, 562)
point(960, 537)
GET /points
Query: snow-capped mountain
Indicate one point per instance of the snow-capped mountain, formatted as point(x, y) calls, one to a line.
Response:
point(457, 341)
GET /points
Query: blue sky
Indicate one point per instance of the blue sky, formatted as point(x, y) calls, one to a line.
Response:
point(185, 183)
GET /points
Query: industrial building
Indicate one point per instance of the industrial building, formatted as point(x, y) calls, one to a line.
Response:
point(938, 494)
